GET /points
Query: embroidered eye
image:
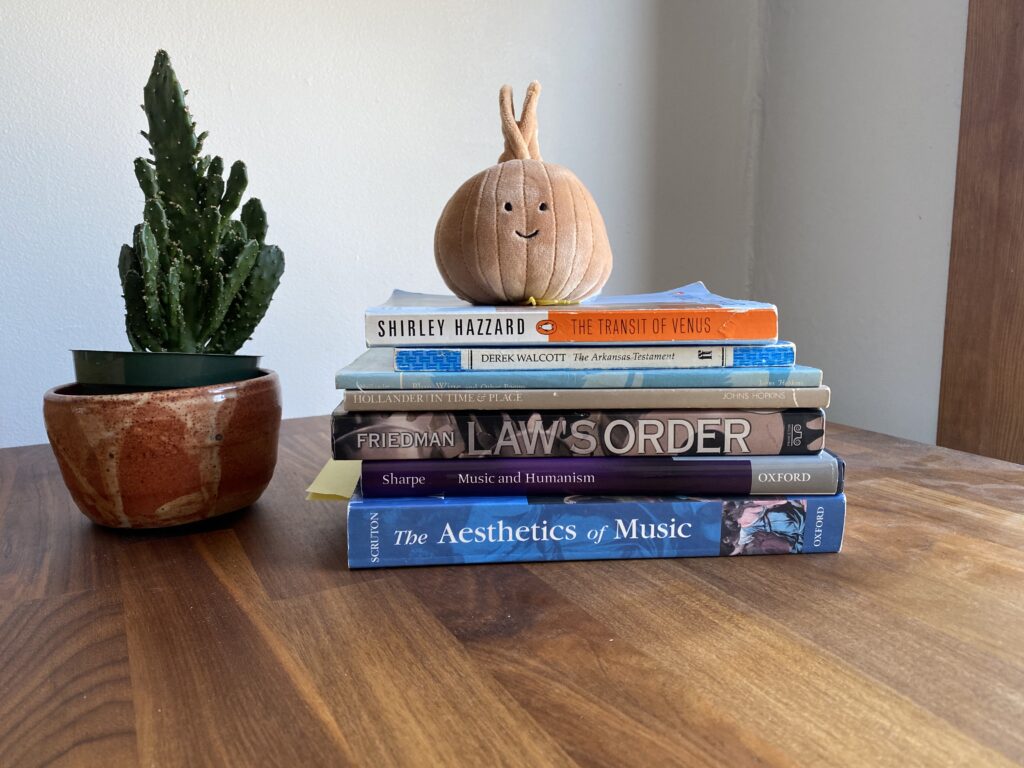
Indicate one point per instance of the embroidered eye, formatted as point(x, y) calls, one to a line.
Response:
point(508, 206)
point(543, 206)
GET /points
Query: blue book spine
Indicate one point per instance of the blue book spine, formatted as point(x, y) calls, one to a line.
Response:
point(781, 354)
point(353, 378)
point(388, 533)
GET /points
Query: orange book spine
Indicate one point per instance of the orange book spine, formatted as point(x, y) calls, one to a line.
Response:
point(659, 325)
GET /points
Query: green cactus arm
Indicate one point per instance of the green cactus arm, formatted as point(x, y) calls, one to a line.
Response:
point(232, 244)
point(211, 187)
point(139, 334)
point(146, 175)
point(176, 218)
point(154, 215)
point(148, 255)
point(181, 337)
point(131, 294)
point(255, 219)
point(193, 290)
point(209, 261)
point(125, 262)
point(233, 238)
point(252, 302)
point(172, 135)
point(175, 318)
point(238, 180)
point(229, 287)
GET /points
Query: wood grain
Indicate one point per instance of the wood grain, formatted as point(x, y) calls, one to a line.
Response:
point(66, 690)
point(980, 405)
point(246, 641)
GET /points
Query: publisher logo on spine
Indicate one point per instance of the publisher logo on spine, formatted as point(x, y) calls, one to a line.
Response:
point(796, 435)
point(546, 327)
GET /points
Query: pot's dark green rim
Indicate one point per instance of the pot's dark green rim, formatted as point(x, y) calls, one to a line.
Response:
point(161, 370)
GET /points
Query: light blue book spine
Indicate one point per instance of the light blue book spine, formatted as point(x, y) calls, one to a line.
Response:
point(384, 533)
point(352, 378)
point(782, 354)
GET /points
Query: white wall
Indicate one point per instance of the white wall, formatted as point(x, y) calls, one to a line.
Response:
point(709, 69)
point(855, 196)
point(793, 150)
point(357, 121)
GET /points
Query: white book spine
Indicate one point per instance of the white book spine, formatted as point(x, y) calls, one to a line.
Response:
point(511, 325)
point(585, 358)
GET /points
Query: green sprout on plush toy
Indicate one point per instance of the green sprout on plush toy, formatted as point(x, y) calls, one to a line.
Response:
point(194, 279)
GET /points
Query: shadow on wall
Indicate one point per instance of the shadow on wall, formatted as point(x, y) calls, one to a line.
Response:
point(707, 118)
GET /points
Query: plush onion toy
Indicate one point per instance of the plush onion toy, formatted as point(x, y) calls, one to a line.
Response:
point(523, 231)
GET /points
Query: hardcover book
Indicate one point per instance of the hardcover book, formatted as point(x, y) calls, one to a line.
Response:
point(817, 474)
point(374, 369)
point(523, 434)
point(433, 530)
point(584, 399)
point(690, 313)
point(550, 358)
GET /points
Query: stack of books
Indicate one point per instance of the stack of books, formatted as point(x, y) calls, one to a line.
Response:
point(661, 425)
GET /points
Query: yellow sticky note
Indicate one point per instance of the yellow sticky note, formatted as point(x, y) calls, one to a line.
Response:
point(336, 481)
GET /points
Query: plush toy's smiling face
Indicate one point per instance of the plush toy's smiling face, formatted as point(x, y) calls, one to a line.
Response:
point(521, 229)
point(542, 207)
point(524, 213)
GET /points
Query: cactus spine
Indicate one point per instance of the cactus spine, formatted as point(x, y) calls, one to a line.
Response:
point(194, 279)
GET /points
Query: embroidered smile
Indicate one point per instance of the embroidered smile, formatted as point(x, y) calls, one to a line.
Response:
point(527, 237)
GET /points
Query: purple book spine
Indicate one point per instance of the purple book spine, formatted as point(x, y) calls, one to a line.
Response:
point(598, 476)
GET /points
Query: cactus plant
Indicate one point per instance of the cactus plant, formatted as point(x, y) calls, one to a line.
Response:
point(194, 279)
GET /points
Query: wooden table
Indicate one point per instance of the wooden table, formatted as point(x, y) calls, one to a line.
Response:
point(246, 641)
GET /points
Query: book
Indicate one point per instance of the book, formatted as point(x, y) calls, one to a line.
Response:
point(433, 530)
point(816, 474)
point(374, 369)
point(600, 358)
point(584, 399)
point(523, 434)
point(690, 313)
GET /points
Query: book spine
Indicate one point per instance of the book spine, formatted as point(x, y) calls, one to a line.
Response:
point(569, 433)
point(532, 326)
point(385, 533)
point(697, 476)
point(585, 399)
point(662, 378)
point(594, 358)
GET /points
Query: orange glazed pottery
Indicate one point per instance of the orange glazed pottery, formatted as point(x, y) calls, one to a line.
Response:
point(165, 457)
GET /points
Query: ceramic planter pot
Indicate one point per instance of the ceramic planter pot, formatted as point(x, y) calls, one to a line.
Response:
point(156, 458)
